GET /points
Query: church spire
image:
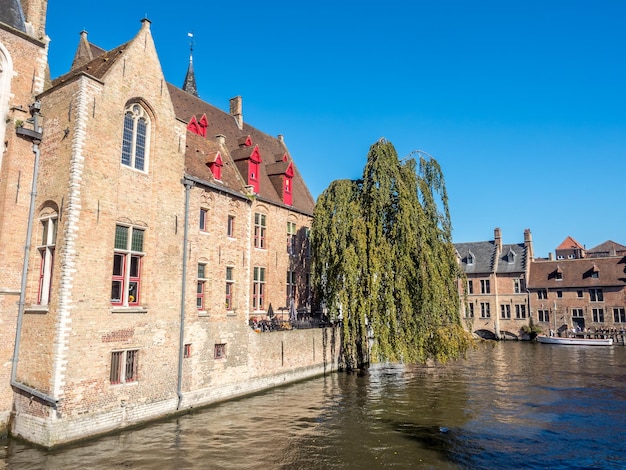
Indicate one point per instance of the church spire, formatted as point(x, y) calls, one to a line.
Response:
point(190, 79)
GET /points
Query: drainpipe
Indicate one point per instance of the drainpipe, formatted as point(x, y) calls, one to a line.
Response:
point(181, 347)
point(35, 135)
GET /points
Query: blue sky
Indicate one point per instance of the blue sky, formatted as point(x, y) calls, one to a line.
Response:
point(523, 104)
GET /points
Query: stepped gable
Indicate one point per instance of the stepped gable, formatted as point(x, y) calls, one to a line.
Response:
point(186, 105)
point(483, 256)
point(12, 15)
point(576, 273)
point(200, 152)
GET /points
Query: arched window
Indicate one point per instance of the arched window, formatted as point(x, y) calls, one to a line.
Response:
point(136, 137)
point(46, 244)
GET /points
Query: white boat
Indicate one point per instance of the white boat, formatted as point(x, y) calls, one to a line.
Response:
point(576, 341)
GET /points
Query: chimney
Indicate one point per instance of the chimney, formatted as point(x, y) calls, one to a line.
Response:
point(236, 111)
point(221, 139)
point(497, 238)
point(550, 257)
point(528, 243)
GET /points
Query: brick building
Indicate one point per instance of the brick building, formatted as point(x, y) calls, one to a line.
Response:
point(23, 72)
point(161, 226)
point(494, 298)
point(581, 288)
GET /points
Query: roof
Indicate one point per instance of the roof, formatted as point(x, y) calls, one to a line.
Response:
point(97, 67)
point(187, 105)
point(608, 248)
point(577, 273)
point(12, 15)
point(569, 243)
point(512, 258)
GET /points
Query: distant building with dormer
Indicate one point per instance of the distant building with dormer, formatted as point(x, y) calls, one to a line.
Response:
point(493, 296)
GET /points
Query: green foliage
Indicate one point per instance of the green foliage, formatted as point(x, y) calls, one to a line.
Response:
point(384, 263)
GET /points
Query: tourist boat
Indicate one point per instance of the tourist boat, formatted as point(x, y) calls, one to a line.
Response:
point(576, 341)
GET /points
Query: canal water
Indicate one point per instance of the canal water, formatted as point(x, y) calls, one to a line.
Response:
point(508, 405)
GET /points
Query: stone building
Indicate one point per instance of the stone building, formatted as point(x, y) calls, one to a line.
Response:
point(161, 226)
point(494, 297)
point(585, 289)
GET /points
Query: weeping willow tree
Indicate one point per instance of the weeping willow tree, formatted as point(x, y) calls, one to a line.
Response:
point(384, 264)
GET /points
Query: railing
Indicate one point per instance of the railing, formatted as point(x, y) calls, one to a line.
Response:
point(278, 324)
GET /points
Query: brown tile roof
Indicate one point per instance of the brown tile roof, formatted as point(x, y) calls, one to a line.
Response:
point(569, 243)
point(577, 273)
point(608, 248)
point(97, 67)
point(220, 122)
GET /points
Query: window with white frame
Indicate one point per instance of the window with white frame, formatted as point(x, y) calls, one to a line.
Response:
point(230, 287)
point(484, 286)
point(47, 242)
point(485, 310)
point(127, 259)
point(291, 238)
point(543, 315)
point(598, 315)
point(124, 366)
point(619, 315)
point(505, 311)
point(201, 286)
point(469, 312)
point(258, 288)
point(577, 313)
point(542, 294)
point(259, 230)
point(470, 286)
point(135, 137)
point(520, 311)
point(517, 286)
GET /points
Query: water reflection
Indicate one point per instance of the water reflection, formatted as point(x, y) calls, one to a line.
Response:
point(509, 405)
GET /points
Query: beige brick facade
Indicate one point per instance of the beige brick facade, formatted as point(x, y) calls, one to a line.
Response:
point(126, 315)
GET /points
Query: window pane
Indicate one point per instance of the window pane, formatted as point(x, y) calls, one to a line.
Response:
point(134, 266)
point(137, 243)
point(140, 146)
point(229, 274)
point(133, 289)
point(201, 271)
point(116, 291)
point(116, 358)
point(121, 237)
point(127, 139)
point(131, 366)
point(118, 264)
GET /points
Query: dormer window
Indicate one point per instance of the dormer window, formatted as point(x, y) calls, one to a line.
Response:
point(198, 127)
point(254, 164)
point(216, 166)
point(510, 257)
point(470, 258)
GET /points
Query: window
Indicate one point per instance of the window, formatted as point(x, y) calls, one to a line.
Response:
point(520, 311)
point(485, 310)
point(230, 285)
point(291, 238)
point(542, 294)
point(619, 315)
point(47, 242)
point(187, 351)
point(201, 286)
point(579, 294)
point(484, 286)
point(230, 227)
point(470, 259)
point(577, 313)
point(291, 286)
point(543, 315)
point(558, 276)
point(595, 295)
point(219, 351)
point(559, 294)
point(124, 366)
point(258, 288)
point(204, 220)
point(259, 230)
point(307, 242)
point(517, 286)
point(505, 311)
point(135, 137)
point(598, 315)
point(469, 313)
point(127, 257)
point(470, 286)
